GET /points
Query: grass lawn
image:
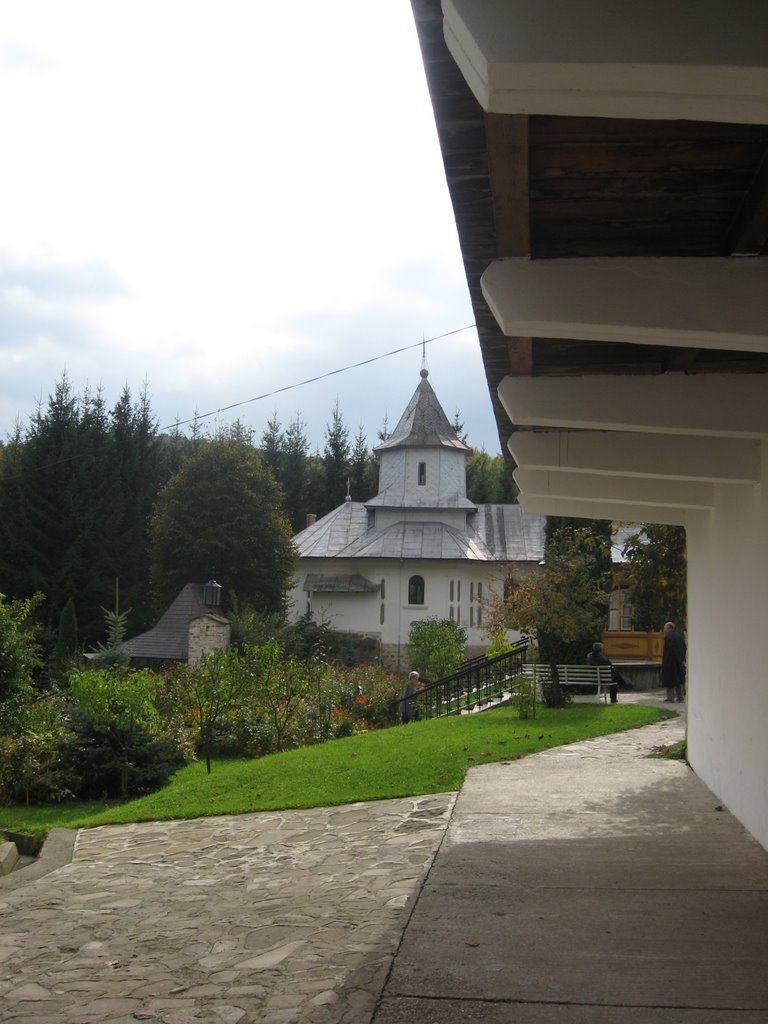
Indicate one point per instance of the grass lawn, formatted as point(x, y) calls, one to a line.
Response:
point(423, 757)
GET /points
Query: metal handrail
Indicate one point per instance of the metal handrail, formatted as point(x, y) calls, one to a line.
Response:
point(479, 681)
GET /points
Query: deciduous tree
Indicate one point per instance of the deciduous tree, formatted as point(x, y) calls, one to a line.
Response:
point(657, 568)
point(564, 603)
point(221, 516)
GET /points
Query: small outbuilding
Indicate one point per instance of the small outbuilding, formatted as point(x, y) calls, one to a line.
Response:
point(190, 627)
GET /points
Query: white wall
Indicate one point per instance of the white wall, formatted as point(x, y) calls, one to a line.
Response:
point(728, 653)
point(361, 612)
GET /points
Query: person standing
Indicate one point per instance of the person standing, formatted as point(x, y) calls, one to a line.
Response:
point(596, 657)
point(408, 710)
point(673, 663)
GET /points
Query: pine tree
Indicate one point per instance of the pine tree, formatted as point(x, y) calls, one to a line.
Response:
point(336, 460)
point(363, 469)
point(273, 446)
point(295, 473)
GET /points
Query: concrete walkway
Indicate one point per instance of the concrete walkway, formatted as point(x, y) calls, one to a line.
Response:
point(588, 884)
point(584, 884)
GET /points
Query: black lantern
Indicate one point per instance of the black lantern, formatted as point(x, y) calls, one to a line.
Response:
point(212, 594)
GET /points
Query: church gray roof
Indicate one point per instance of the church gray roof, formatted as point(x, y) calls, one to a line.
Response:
point(423, 424)
point(495, 533)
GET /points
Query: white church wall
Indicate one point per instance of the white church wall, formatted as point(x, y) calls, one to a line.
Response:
point(457, 590)
point(392, 473)
point(727, 666)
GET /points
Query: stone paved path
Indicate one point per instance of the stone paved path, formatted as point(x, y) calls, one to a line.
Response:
point(283, 917)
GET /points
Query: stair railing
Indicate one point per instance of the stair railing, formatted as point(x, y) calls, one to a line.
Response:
point(477, 683)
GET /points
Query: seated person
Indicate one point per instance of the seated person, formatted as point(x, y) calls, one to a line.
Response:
point(596, 657)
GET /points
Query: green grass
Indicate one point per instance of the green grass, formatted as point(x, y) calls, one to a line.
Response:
point(423, 757)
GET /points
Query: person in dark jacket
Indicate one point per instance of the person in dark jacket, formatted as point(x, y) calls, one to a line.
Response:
point(408, 709)
point(673, 663)
point(596, 657)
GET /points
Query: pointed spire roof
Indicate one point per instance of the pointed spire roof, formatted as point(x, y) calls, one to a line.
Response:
point(423, 424)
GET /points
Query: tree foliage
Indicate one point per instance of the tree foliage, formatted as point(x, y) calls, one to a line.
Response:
point(19, 647)
point(76, 491)
point(563, 604)
point(221, 516)
point(436, 647)
point(120, 704)
point(220, 685)
point(657, 568)
point(489, 481)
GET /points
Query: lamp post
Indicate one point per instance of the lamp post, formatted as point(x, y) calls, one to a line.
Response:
point(212, 594)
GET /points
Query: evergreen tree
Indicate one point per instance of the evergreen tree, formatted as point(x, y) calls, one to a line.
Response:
point(295, 473)
point(363, 469)
point(273, 446)
point(76, 494)
point(42, 506)
point(489, 481)
point(336, 460)
point(67, 646)
point(458, 426)
point(384, 433)
point(140, 469)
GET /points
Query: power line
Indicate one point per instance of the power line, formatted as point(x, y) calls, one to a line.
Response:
point(278, 391)
point(313, 380)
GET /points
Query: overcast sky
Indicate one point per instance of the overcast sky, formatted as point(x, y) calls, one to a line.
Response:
point(225, 199)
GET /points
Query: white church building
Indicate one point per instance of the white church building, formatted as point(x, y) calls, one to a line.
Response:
point(419, 548)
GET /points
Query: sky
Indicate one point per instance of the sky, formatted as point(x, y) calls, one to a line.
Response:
point(224, 200)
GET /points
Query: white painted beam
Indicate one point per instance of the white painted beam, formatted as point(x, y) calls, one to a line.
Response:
point(624, 490)
point(612, 510)
point(726, 405)
point(717, 302)
point(713, 459)
point(599, 58)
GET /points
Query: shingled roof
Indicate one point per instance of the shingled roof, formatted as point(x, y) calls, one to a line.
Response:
point(423, 424)
point(169, 639)
point(495, 533)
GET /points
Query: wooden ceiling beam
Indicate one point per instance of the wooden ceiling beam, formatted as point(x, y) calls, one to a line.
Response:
point(507, 146)
point(748, 235)
point(507, 142)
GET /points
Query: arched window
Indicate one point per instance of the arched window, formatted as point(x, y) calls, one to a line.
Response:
point(416, 590)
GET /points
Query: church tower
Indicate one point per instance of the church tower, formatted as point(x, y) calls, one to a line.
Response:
point(422, 467)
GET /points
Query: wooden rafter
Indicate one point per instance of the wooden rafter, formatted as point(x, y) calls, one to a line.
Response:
point(749, 233)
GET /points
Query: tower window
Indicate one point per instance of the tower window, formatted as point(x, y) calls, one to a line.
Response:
point(422, 473)
point(416, 590)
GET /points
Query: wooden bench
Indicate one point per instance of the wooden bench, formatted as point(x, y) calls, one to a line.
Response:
point(599, 676)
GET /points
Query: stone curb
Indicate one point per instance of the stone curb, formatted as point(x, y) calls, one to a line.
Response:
point(57, 851)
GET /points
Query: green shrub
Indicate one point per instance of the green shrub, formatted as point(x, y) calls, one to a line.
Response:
point(436, 647)
point(31, 767)
point(523, 696)
point(119, 705)
point(95, 760)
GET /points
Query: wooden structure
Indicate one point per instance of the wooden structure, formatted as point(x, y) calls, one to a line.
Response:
point(608, 169)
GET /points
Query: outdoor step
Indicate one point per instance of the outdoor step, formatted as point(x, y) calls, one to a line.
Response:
point(9, 855)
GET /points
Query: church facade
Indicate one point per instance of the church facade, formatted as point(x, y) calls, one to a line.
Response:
point(418, 549)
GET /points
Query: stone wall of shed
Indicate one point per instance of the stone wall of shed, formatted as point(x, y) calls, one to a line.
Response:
point(207, 634)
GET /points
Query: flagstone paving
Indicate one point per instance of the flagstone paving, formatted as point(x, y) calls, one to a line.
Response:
point(281, 917)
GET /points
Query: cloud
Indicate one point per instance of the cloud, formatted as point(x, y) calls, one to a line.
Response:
point(47, 281)
point(19, 58)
